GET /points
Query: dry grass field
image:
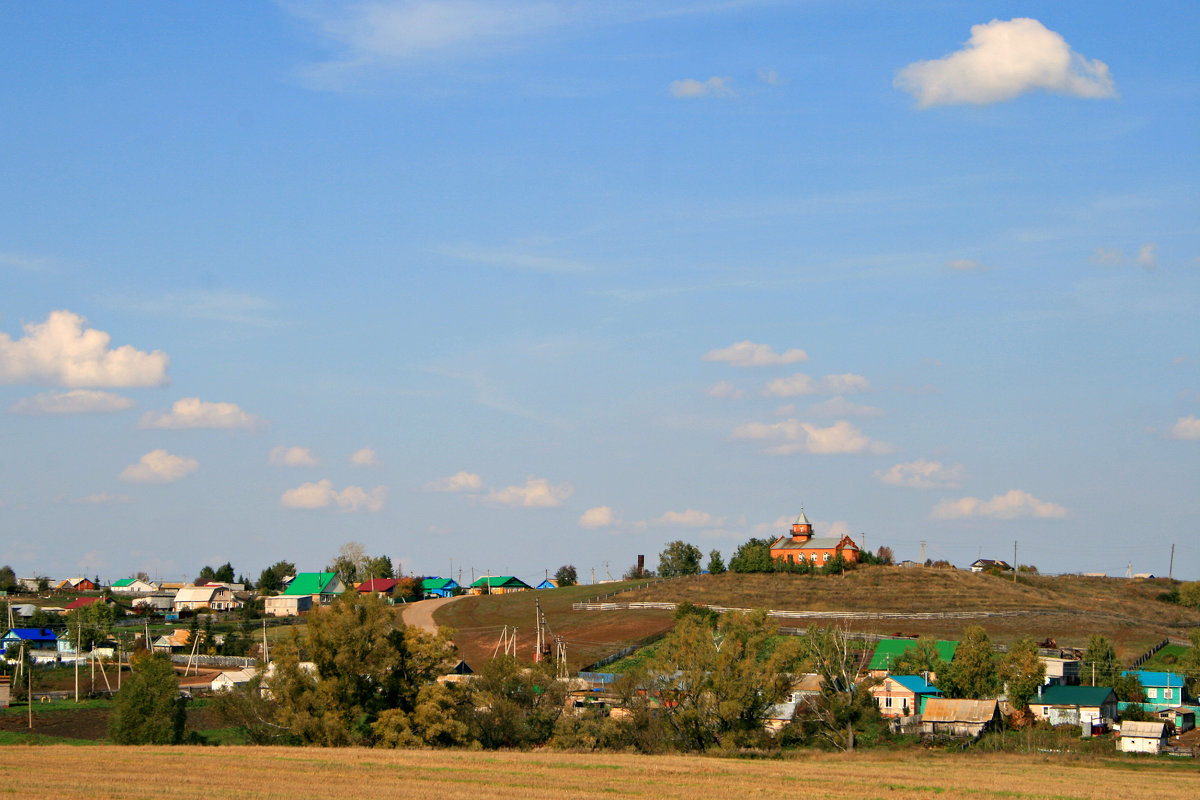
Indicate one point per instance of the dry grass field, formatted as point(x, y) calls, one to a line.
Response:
point(238, 773)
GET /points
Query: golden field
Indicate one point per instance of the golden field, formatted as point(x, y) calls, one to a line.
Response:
point(287, 773)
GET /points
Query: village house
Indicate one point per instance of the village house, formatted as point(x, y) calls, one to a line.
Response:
point(943, 716)
point(1162, 688)
point(39, 641)
point(84, 602)
point(287, 605)
point(984, 564)
point(1142, 737)
point(382, 587)
point(499, 584)
point(903, 695)
point(174, 642)
point(1086, 706)
point(157, 602)
point(801, 546)
point(549, 583)
point(322, 587)
point(211, 596)
point(439, 587)
point(1061, 671)
point(888, 652)
point(76, 585)
point(132, 586)
point(229, 679)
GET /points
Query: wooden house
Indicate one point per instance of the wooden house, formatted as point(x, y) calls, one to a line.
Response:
point(903, 695)
point(943, 716)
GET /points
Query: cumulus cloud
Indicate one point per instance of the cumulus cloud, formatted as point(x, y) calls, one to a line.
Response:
point(101, 498)
point(366, 457)
point(791, 436)
point(536, 493)
point(839, 406)
point(713, 87)
point(922, 474)
point(780, 524)
point(725, 391)
point(1012, 505)
point(61, 352)
point(192, 412)
point(321, 494)
point(1002, 60)
point(159, 466)
point(1186, 428)
point(1147, 257)
point(293, 457)
point(964, 264)
point(76, 401)
point(690, 519)
point(598, 517)
point(749, 354)
point(801, 384)
point(458, 482)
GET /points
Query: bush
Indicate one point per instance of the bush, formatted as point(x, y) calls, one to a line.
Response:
point(148, 708)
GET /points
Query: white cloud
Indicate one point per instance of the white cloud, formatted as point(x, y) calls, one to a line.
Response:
point(516, 260)
point(713, 87)
point(60, 352)
point(1103, 255)
point(101, 498)
point(803, 437)
point(841, 407)
point(847, 383)
point(778, 526)
point(366, 457)
point(159, 466)
point(838, 528)
point(1012, 505)
point(964, 265)
point(772, 78)
point(192, 412)
point(791, 386)
point(1002, 60)
point(749, 354)
point(536, 493)
point(922, 474)
point(293, 457)
point(1186, 428)
point(690, 519)
point(598, 517)
point(1147, 256)
point(801, 384)
point(725, 391)
point(458, 482)
point(322, 495)
point(76, 401)
point(785, 410)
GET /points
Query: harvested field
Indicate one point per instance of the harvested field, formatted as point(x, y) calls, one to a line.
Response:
point(589, 635)
point(244, 772)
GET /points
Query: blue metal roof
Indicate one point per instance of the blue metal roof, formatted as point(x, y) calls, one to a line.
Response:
point(916, 684)
point(32, 634)
point(1156, 679)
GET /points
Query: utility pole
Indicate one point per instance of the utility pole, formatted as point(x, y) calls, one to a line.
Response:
point(922, 552)
point(78, 647)
point(266, 652)
point(1170, 576)
point(537, 653)
point(1014, 560)
point(593, 576)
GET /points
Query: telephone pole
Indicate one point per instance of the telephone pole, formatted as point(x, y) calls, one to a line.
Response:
point(1014, 561)
point(1170, 569)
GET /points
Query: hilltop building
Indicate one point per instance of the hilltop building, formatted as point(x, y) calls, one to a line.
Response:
point(800, 545)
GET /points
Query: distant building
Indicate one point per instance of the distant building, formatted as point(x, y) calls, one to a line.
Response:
point(438, 587)
point(984, 564)
point(499, 584)
point(801, 546)
point(1143, 737)
point(133, 586)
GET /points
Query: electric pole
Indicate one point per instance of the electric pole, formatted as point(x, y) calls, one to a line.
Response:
point(1014, 561)
point(1170, 570)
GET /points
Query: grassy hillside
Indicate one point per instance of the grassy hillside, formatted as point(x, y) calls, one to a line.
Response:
point(1066, 608)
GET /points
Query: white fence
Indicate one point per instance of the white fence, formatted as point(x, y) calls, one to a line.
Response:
point(634, 606)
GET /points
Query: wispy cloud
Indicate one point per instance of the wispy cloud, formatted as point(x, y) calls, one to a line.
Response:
point(791, 436)
point(458, 482)
point(772, 78)
point(230, 307)
point(101, 498)
point(750, 354)
point(713, 87)
point(725, 391)
point(76, 401)
point(1147, 256)
point(691, 518)
point(515, 259)
point(922, 474)
point(1013, 504)
point(839, 406)
point(1002, 60)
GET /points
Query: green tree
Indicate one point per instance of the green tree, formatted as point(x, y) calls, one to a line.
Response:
point(1189, 663)
point(1022, 672)
point(844, 712)
point(679, 558)
point(8, 579)
point(89, 625)
point(224, 573)
point(566, 575)
point(350, 563)
point(972, 673)
point(1189, 594)
point(436, 719)
point(752, 556)
point(148, 709)
point(1100, 666)
point(921, 658)
point(378, 567)
point(271, 578)
point(207, 574)
point(1129, 689)
point(514, 704)
point(718, 683)
point(716, 564)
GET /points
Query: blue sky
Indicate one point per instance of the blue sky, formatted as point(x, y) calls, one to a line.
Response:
point(518, 284)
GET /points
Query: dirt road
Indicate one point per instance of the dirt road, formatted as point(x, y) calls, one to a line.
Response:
point(420, 615)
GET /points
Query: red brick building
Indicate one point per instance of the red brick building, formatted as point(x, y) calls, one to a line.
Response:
point(800, 545)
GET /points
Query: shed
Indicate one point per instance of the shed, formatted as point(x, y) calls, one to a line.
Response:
point(1143, 737)
point(959, 718)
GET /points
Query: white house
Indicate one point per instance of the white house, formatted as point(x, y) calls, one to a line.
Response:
point(1142, 737)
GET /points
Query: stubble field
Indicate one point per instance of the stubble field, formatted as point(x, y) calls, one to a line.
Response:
point(246, 772)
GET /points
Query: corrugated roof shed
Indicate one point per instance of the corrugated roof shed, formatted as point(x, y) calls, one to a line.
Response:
point(1149, 730)
point(942, 709)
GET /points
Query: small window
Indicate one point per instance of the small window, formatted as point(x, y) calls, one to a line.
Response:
point(827, 556)
point(887, 701)
point(1167, 694)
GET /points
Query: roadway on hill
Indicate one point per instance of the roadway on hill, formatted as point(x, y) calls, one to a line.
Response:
point(420, 614)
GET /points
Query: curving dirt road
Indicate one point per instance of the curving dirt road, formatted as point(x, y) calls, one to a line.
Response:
point(420, 615)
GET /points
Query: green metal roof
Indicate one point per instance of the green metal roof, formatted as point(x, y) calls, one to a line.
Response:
point(310, 583)
point(437, 583)
point(888, 650)
point(1074, 696)
point(124, 582)
point(496, 581)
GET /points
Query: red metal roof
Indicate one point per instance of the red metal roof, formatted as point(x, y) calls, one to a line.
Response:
point(378, 585)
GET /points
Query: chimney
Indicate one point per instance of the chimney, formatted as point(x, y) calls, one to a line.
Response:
point(641, 569)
